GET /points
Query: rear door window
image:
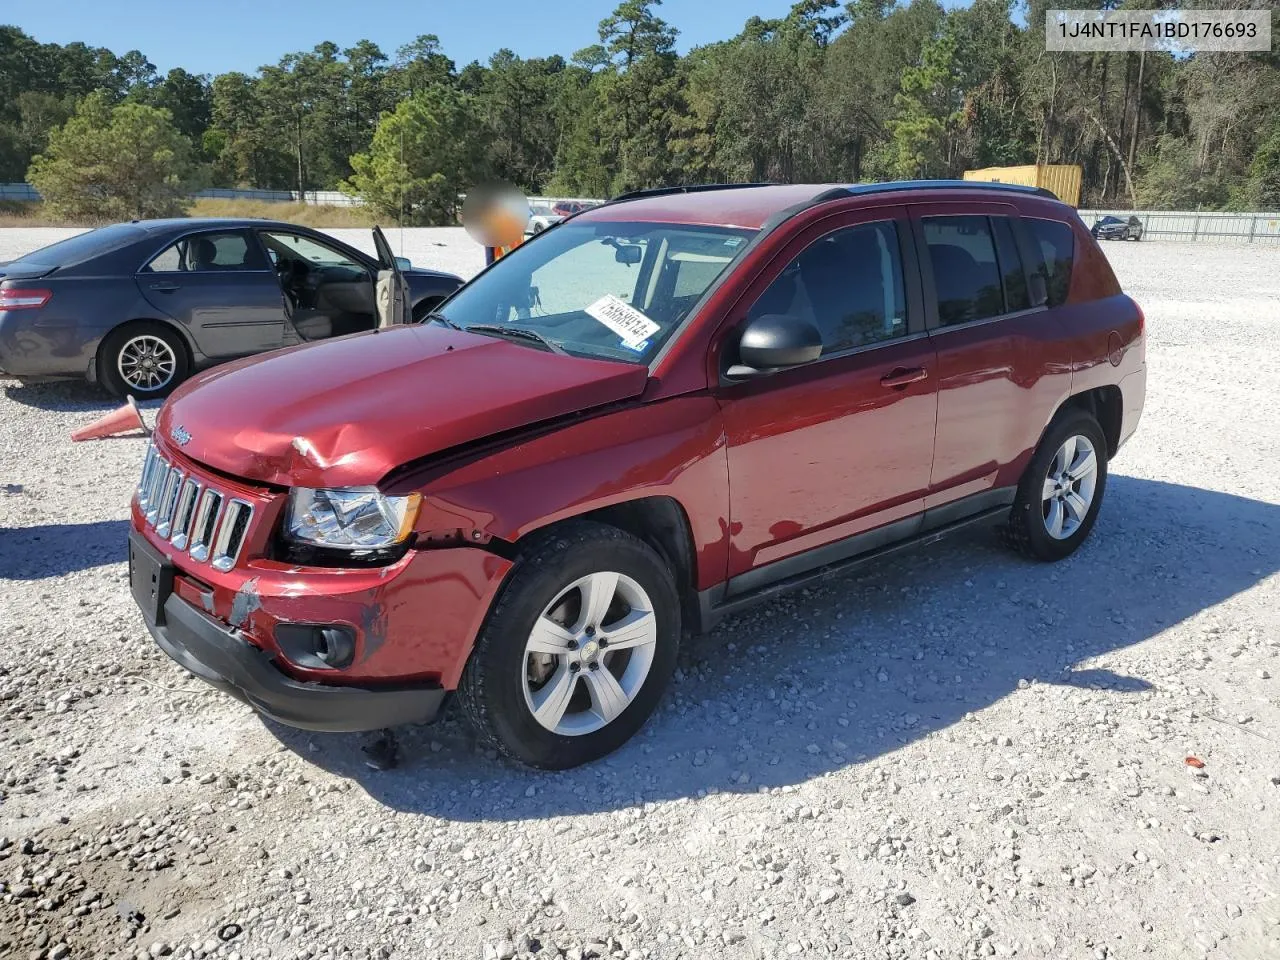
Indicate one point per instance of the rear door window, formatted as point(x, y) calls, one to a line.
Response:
point(966, 271)
point(1056, 244)
point(208, 252)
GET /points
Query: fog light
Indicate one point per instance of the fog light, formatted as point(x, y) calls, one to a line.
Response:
point(335, 647)
point(317, 646)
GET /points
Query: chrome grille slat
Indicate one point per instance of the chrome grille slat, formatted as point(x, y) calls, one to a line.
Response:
point(207, 523)
point(231, 534)
point(155, 493)
point(148, 466)
point(169, 501)
point(185, 512)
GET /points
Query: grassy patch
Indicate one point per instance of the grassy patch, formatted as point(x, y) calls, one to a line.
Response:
point(19, 214)
point(307, 214)
point(15, 213)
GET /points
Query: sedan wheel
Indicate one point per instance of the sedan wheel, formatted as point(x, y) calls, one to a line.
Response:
point(144, 359)
point(147, 363)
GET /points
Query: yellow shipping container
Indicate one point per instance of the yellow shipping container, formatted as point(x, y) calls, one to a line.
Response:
point(1060, 179)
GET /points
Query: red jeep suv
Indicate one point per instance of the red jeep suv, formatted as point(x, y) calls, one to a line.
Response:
point(650, 416)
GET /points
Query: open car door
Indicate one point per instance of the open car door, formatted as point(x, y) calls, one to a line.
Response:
point(392, 292)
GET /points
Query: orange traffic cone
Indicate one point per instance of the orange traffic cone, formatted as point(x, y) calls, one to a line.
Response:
point(123, 420)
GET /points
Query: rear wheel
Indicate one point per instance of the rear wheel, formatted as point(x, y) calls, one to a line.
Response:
point(577, 649)
point(1061, 491)
point(144, 359)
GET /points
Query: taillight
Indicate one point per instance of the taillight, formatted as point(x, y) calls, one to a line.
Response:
point(1142, 317)
point(19, 299)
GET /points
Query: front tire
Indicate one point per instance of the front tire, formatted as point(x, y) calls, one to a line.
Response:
point(144, 359)
point(577, 649)
point(1061, 490)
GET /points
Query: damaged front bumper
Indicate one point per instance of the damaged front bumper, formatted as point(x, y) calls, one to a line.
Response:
point(413, 626)
point(218, 656)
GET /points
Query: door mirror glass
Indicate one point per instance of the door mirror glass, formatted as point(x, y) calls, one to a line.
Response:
point(403, 263)
point(775, 341)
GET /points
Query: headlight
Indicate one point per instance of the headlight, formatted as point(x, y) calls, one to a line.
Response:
point(350, 518)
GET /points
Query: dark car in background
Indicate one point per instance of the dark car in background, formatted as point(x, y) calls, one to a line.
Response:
point(140, 306)
point(1117, 228)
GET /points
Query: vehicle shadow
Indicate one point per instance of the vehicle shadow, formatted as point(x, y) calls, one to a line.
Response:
point(54, 549)
point(846, 673)
point(66, 395)
point(71, 396)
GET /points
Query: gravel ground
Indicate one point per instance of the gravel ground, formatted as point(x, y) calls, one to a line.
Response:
point(956, 754)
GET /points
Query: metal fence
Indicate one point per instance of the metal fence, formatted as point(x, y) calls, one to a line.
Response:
point(1198, 227)
point(25, 193)
point(18, 192)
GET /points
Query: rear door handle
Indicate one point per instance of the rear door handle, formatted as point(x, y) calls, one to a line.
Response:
point(166, 286)
point(901, 377)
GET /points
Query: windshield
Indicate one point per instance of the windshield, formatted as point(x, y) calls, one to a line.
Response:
point(615, 291)
point(85, 245)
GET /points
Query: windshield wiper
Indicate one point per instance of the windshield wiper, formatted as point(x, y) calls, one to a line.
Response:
point(437, 315)
point(517, 333)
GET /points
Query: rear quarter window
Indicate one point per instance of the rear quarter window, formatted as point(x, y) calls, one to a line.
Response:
point(85, 246)
point(1056, 245)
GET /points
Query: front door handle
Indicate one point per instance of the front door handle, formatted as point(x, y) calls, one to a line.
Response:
point(901, 377)
point(166, 286)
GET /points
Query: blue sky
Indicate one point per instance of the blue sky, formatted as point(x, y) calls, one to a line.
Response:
point(214, 36)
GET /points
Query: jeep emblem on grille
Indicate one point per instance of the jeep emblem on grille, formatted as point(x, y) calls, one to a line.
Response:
point(180, 435)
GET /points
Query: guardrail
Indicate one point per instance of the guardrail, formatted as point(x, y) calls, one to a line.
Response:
point(25, 193)
point(1198, 227)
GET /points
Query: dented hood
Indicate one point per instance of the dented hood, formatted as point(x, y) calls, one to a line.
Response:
point(346, 412)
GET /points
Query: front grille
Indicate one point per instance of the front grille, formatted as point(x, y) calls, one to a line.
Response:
point(207, 523)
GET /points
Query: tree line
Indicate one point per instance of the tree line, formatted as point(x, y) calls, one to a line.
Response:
point(857, 91)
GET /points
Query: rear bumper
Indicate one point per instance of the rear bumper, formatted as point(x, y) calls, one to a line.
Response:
point(1133, 393)
point(35, 351)
point(221, 657)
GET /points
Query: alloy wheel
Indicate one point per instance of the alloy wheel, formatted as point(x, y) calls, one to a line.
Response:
point(146, 362)
point(589, 654)
point(1069, 487)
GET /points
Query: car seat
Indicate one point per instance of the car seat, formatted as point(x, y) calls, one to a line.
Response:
point(204, 254)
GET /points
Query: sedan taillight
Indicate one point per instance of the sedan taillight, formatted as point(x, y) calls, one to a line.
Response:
point(19, 299)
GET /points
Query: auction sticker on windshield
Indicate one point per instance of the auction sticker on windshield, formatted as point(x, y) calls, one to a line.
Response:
point(623, 319)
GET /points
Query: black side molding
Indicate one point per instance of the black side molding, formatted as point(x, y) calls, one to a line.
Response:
point(834, 559)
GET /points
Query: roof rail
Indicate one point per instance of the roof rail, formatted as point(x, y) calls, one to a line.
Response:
point(688, 188)
point(859, 189)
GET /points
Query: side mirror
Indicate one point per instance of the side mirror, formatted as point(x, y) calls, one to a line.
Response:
point(628, 253)
point(775, 341)
point(403, 263)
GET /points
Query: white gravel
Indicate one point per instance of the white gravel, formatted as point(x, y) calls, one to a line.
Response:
point(957, 754)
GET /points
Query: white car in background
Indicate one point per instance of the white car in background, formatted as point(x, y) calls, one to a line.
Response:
point(541, 216)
